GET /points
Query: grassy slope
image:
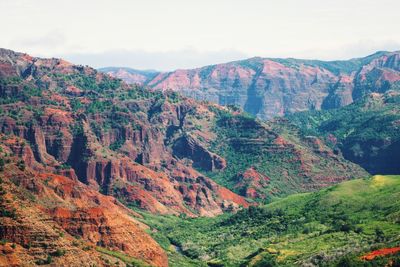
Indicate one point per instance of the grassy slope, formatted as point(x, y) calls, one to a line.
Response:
point(351, 218)
point(371, 114)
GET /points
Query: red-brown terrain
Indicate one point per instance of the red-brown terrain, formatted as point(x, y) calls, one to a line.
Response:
point(380, 252)
point(250, 181)
point(44, 215)
point(143, 171)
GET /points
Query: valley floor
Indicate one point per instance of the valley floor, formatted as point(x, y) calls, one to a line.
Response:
point(332, 227)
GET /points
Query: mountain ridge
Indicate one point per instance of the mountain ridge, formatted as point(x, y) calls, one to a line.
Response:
point(269, 87)
point(373, 55)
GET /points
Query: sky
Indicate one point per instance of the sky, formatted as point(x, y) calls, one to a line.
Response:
point(167, 35)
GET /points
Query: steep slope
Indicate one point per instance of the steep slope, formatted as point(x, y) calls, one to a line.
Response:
point(333, 227)
point(274, 158)
point(47, 218)
point(366, 132)
point(107, 134)
point(152, 150)
point(274, 87)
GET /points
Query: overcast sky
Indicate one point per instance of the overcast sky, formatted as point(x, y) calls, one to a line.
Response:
point(165, 35)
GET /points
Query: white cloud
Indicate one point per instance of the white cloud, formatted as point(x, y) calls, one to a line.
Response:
point(155, 32)
point(360, 48)
point(53, 40)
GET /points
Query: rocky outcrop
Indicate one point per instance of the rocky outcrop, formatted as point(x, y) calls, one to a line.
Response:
point(52, 215)
point(188, 147)
point(250, 181)
point(380, 75)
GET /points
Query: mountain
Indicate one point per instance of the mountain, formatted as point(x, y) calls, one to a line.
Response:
point(269, 159)
point(130, 75)
point(152, 150)
point(111, 136)
point(269, 87)
point(366, 132)
point(336, 226)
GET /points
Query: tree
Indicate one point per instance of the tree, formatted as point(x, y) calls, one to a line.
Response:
point(2, 163)
point(267, 261)
point(379, 235)
point(21, 165)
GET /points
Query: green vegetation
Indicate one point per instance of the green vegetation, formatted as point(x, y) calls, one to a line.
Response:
point(337, 66)
point(25, 91)
point(58, 253)
point(367, 132)
point(349, 219)
point(21, 165)
point(76, 104)
point(97, 106)
point(129, 261)
point(46, 261)
point(2, 164)
point(246, 142)
point(245, 145)
point(117, 145)
point(88, 81)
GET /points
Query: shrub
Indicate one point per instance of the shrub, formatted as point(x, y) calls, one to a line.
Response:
point(2, 163)
point(379, 235)
point(48, 260)
point(21, 165)
point(8, 213)
point(348, 262)
point(267, 261)
point(58, 253)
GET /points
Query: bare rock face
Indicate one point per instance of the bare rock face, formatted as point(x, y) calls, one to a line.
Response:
point(188, 147)
point(265, 88)
point(275, 87)
point(380, 75)
point(47, 214)
point(250, 181)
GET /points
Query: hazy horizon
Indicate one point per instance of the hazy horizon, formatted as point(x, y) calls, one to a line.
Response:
point(168, 35)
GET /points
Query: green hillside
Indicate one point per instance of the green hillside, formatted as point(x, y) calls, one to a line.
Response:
point(367, 132)
point(335, 66)
point(292, 161)
point(333, 226)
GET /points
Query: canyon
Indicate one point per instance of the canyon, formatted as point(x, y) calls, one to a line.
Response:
point(86, 158)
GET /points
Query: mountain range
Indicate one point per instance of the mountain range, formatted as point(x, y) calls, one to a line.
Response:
point(168, 168)
point(270, 87)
